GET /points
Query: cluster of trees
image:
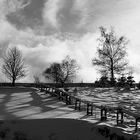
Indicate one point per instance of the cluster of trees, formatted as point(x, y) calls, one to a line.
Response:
point(122, 82)
point(110, 61)
point(62, 72)
point(111, 54)
point(126, 82)
point(14, 68)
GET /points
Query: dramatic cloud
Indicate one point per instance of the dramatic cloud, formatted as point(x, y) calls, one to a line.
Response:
point(48, 30)
point(55, 50)
point(15, 5)
point(50, 12)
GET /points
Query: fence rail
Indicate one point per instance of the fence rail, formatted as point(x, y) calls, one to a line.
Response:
point(77, 101)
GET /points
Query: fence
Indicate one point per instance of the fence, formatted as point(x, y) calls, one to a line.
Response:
point(71, 99)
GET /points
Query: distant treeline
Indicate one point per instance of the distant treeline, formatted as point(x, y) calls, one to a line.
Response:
point(58, 85)
point(50, 84)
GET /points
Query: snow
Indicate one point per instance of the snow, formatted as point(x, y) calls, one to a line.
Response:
point(58, 129)
point(27, 114)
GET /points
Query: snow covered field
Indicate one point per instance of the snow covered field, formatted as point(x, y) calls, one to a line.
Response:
point(26, 114)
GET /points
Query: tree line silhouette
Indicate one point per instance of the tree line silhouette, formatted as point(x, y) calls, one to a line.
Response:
point(110, 61)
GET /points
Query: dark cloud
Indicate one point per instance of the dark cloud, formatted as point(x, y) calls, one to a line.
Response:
point(30, 16)
point(68, 19)
point(73, 27)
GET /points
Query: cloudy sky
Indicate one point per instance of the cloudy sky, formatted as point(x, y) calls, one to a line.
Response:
point(48, 30)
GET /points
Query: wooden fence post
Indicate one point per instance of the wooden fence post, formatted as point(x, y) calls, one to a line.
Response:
point(103, 113)
point(77, 104)
point(136, 124)
point(60, 95)
point(68, 99)
point(120, 116)
point(89, 109)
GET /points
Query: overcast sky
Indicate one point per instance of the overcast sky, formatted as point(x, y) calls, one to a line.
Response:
point(48, 30)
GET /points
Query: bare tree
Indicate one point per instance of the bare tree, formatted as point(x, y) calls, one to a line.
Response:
point(53, 72)
point(13, 66)
point(111, 53)
point(62, 72)
point(36, 79)
point(69, 68)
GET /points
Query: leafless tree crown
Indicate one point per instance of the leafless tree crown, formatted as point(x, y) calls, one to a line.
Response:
point(13, 66)
point(111, 53)
point(36, 79)
point(62, 72)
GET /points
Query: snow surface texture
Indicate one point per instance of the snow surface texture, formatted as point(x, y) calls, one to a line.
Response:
point(25, 114)
point(59, 129)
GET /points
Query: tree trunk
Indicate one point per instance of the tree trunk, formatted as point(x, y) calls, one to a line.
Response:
point(13, 82)
point(112, 73)
point(112, 70)
point(62, 84)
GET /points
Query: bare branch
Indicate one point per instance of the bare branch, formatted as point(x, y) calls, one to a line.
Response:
point(63, 72)
point(111, 53)
point(13, 66)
